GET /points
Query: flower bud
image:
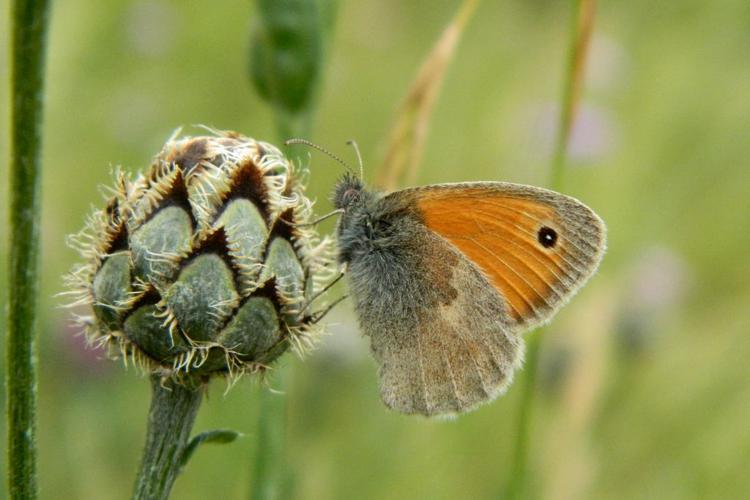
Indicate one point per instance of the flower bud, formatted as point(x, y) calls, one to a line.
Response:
point(203, 265)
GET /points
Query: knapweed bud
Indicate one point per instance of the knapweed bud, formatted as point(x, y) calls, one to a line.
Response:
point(287, 52)
point(203, 265)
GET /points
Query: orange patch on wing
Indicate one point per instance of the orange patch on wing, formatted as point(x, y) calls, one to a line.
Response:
point(499, 234)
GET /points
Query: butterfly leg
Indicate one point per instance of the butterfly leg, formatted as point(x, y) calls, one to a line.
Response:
point(321, 292)
point(318, 315)
point(315, 222)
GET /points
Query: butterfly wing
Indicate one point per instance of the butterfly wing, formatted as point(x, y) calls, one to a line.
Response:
point(445, 277)
point(438, 330)
point(457, 355)
point(536, 246)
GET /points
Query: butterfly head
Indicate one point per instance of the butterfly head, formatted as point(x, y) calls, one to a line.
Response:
point(349, 192)
point(359, 225)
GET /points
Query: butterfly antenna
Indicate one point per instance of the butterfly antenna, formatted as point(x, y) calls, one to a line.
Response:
point(319, 148)
point(353, 143)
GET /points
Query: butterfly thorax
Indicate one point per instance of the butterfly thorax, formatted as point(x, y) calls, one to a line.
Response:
point(366, 225)
point(357, 227)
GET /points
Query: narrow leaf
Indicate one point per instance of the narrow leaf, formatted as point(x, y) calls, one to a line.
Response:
point(217, 436)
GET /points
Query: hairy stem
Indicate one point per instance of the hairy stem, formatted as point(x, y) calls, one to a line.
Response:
point(27, 83)
point(170, 420)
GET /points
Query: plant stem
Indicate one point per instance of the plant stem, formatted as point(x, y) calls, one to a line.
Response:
point(582, 23)
point(292, 125)
point(287, 59)
point(269, 468)
point(518, 485)
point(28, 55)
point(170, 419)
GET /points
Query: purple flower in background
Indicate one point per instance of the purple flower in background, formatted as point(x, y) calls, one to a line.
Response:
point(593, 136)
point(79, 357)
point(659, 282)
point(595, 131)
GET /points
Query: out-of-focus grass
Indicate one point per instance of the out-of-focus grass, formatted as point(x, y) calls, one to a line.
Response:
point(660, 151)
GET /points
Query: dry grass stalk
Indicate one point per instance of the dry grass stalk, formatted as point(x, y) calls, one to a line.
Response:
point(408, 135)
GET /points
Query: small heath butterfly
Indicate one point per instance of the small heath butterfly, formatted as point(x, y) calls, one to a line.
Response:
point(446, 277)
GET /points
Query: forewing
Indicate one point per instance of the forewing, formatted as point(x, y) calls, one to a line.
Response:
point(537, 247)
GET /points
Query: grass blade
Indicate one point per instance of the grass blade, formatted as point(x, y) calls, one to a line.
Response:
point(581, 28)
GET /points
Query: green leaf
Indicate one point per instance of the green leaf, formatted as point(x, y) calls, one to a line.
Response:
point(217, 436)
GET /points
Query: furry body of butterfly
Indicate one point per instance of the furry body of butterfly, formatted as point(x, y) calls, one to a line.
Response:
point(445, 278)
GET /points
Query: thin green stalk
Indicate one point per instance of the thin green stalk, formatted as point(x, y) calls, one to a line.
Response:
point(582, 23)
point(270, 470)
point(286, 63)
point(518, 485)
point(28, 55)
point(290, 125)
point(170, 420)
point(269, 467)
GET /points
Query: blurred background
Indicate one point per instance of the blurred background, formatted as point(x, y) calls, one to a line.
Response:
point(644, 385)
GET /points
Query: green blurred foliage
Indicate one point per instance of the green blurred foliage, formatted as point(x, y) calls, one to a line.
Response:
point(653, 404)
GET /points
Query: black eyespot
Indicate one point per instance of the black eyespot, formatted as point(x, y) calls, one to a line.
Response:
point(547, 237)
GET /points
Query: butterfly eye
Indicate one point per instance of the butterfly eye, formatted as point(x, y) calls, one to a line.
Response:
point(350, 196)
point(547, 237)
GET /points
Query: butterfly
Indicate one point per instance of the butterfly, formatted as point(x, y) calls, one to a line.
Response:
point(445, 278)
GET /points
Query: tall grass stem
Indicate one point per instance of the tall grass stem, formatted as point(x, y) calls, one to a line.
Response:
point(287, 59)
point(581, 26)
point(407, 136)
